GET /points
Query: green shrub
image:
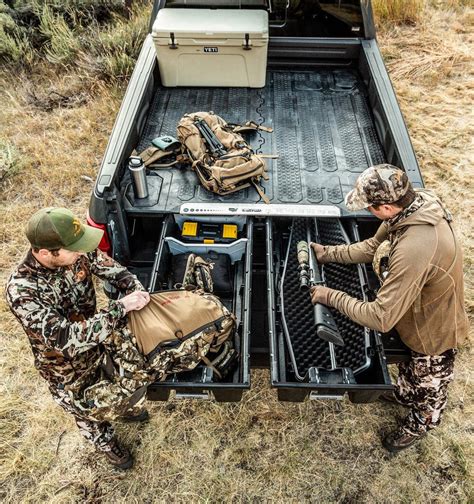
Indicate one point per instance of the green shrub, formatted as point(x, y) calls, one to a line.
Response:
point(15, 47)
point(62, 42)
point(51, 29)
point(115, 49)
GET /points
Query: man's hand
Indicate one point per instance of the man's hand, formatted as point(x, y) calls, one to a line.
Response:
point(135, 301)
point(319, 294)
point(318, 250)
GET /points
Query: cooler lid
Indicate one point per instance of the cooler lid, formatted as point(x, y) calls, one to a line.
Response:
point(211, 23)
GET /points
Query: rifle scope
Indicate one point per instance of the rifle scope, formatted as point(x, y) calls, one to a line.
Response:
point(303, 265)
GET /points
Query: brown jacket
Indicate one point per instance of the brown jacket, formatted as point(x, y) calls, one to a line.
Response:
point(423, 295)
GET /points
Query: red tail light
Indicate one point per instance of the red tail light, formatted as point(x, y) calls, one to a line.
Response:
point(104, 244)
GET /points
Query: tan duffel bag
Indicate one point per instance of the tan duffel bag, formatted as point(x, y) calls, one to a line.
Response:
point(178, 328)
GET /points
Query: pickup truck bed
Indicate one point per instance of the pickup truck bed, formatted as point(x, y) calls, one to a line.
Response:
point(324, 136)
point(333, 112)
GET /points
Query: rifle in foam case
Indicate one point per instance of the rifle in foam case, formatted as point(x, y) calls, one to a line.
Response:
point(310, 276)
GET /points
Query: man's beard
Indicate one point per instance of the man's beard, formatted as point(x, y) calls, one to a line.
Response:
point(57, 262)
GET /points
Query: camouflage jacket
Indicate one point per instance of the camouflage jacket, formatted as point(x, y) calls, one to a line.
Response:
point(57, 309)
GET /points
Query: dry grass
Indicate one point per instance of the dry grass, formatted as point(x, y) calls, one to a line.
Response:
point(259, 449)
point(432, 69)
point(399, 11)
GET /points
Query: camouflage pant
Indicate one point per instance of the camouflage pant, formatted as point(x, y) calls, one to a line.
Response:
point(114, 386)
point(99, 433)
point(422, 386)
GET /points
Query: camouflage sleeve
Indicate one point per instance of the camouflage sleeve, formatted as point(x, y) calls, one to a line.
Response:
point(361, 252)
point(41, 320)
point(108, 269)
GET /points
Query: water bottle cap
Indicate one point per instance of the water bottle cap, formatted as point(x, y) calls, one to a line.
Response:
point(135, 161)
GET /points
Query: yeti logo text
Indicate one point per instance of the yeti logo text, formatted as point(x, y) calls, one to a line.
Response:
point(211, 49)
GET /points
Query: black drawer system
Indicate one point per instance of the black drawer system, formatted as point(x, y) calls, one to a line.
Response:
point(201, 382)
point(302, 365)
point(276, 326)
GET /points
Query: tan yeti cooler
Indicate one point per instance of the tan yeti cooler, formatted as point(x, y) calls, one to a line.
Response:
point(204, 47)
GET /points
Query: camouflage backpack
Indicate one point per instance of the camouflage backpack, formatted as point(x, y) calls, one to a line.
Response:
point(197, 275)
point(178, 328)
point(220, 156)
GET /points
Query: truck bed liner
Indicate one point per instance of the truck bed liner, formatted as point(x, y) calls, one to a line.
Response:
point(324, 135)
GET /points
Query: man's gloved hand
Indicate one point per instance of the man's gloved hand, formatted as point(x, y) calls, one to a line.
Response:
point(135, 301)
point(318, 250)
point(319, 294)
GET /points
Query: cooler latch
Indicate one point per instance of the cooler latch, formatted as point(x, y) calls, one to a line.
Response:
point(247, 45)
point(172, 43)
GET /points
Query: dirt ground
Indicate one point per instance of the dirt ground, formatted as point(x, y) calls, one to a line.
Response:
point(258, 449)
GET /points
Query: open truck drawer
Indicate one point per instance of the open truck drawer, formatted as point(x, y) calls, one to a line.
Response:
point(201, 383)
point(301, 364)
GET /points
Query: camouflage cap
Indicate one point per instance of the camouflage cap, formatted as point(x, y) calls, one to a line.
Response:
point(378, 185)
point(55, 228)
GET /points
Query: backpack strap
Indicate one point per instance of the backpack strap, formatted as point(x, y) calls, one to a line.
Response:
point(209, 364)
point(225, 359)
point(155, 166)
point(180, 158)
point(259, 189)
point(249, 126)
point(152, 154)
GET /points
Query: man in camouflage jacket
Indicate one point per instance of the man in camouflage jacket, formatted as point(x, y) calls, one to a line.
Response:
point(419, 264)
point(89, 359)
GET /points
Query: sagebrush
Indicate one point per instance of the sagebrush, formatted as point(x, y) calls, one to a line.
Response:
point(99, 38)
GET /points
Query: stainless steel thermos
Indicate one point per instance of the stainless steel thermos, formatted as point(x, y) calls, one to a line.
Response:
point(138, 172)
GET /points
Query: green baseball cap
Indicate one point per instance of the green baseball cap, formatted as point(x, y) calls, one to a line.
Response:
point(55, 228)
